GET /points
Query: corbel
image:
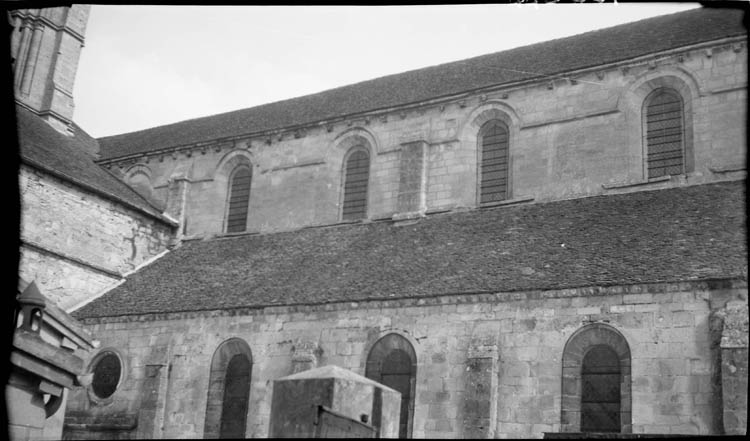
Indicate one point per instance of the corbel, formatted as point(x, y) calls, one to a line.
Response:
point(737, 47)
point(482, 98)
point(651, 65)
point(329, 128)
point(462, 104)
point(708, 53)
point(504, 96)
point(550, 85)
point(402, 115)
point(600, 75)
point(384, 118)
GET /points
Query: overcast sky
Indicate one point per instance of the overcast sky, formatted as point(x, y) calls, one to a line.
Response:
point(145, 66)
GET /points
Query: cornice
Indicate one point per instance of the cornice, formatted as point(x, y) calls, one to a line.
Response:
point(441, 300)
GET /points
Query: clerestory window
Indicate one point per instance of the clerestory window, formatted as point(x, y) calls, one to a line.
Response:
point(494, 162)
point(356, 178)
point(665, 140)
point(239, 200)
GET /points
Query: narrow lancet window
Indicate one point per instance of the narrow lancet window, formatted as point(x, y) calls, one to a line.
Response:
point(494, 143)
point(356, 177)
point(239, 200)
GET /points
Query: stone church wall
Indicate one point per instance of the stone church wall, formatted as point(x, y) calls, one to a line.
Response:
point(75, 243)
point(568, 138)
point(498, 356)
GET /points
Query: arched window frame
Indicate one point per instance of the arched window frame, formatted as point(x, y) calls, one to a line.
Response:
point(374, 364)
point(674, 78)
point(344, 169)
point(215, 399)
point(597, 334)
point(687, 163)
point(230, 186)
point(486, 126)
point(143, 172)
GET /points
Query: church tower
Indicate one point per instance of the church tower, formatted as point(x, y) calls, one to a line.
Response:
point(45, 46)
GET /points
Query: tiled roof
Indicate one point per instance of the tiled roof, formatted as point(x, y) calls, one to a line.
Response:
point(552, 57)
point(44, 147)
point(679, 234)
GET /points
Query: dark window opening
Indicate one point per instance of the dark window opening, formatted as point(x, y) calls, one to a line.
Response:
point(600, 390)
point(392, 362)
point(355, 186)
point(494, 142)
point(239, 200)
point(236, 395)
point(664, 135)
point(107, 372)
point(396, 374)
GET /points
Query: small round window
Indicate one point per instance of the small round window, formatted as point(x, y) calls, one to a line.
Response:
point(107, 370)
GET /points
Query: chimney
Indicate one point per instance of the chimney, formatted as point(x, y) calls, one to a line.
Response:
point(46, 46)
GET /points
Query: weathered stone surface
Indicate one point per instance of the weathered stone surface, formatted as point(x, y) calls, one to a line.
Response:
point(75, 244)
point(734, 351)
point(563, 144)
point(670, 392)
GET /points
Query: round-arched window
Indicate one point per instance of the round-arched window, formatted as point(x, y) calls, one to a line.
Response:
point(107, 371)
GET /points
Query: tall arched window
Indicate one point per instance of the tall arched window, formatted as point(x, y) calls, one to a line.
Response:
point(356, 178)
point(393, 362)
point(239, 199)
point(229, 390)
point(596, 381)
point(664, 126)
point(494, 162)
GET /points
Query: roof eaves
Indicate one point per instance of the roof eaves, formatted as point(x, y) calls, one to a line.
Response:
point(735, 277)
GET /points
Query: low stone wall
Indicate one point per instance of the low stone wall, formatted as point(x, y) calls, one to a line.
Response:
point(509, 343)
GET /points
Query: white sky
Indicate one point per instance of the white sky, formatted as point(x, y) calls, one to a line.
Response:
point(145, 66)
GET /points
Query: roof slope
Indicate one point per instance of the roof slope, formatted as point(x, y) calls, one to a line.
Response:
point(566, 54)
point(65, 156)
point(687, 233)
